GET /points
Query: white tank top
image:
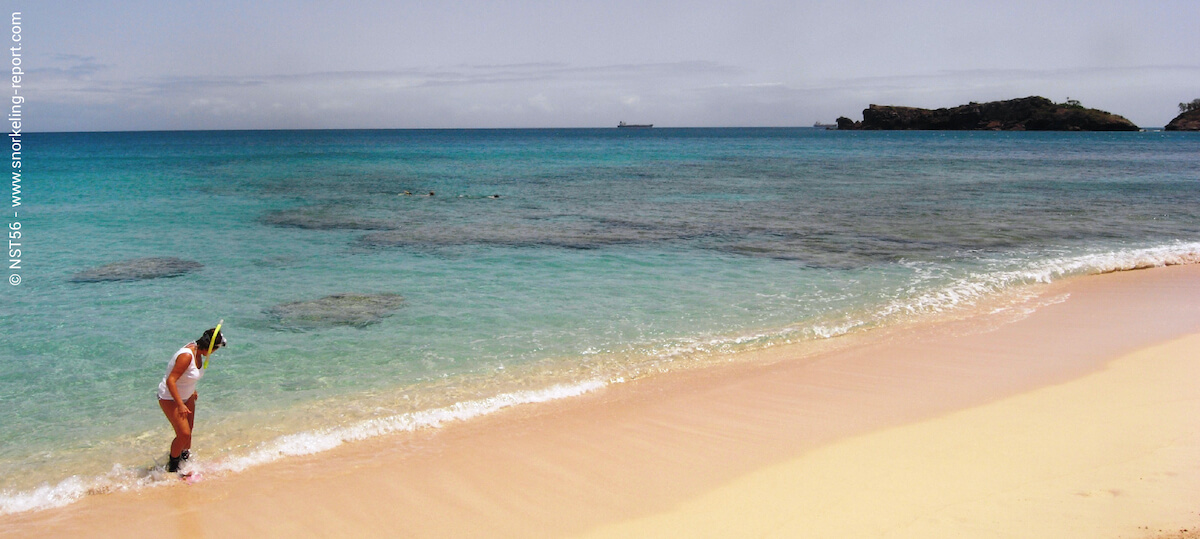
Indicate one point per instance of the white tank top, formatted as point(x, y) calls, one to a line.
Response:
point(186, 383)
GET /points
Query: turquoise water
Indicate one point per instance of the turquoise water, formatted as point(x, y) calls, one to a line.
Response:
point(606, 255)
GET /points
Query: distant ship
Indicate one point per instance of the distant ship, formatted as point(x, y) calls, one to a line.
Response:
point(819, 125)
point(624, 125)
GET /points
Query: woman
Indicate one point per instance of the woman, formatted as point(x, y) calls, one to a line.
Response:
point(177, 391)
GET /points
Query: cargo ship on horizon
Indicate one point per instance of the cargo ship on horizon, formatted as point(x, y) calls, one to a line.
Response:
point(624, 125)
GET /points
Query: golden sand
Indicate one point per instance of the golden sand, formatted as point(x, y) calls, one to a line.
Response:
point(1114, 454)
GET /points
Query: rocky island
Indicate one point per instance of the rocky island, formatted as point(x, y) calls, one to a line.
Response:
point(1188, 121)
point(1025, 114)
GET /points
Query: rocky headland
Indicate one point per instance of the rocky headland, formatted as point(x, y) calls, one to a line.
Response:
point(1025, 114)
point(1188, 121)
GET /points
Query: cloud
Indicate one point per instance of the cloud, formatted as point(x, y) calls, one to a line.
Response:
point(1125, 72)
point(71, 66)
point(462, 75)
point(542, 103)
point(88, 94)
point(64, 84)
point(460, 95)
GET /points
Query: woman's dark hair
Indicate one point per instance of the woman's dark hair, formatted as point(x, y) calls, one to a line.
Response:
point(204, 340)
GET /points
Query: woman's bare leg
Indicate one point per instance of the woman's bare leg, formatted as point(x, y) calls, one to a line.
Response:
point(183, 428)
point(191, 421)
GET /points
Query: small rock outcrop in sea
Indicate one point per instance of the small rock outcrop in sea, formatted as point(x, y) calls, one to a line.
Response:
point(1025, 114)
point(335, 310)
point(1188, 121)
point(138, 269)
point(845, 123)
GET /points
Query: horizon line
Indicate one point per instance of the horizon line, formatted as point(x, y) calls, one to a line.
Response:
point(413, 129)
point(1141, 128)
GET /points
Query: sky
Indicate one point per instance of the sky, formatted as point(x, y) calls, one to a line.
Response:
point(274, 64)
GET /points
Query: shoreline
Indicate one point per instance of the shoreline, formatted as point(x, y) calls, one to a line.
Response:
point(635, 450)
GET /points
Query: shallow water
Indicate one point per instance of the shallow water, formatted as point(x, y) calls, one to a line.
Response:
point(607, 254)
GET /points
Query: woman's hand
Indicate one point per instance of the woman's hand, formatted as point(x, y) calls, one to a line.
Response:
point(182, 410)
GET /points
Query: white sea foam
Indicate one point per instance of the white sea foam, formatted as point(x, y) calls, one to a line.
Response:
point(830, 331)
point(970, 289)
point(305, 443)
point(73, 488)
point(963, 291)
point(689, 347)
point(44, 497)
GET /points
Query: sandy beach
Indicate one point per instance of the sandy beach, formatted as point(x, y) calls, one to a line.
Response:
point(1077, 415)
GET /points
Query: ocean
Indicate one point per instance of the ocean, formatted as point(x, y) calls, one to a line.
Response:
point(379, 281)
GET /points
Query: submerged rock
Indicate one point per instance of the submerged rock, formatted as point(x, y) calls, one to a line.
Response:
point(325, 218)
point(456, 237)
point(336, 310)
point(1025, 114)
point(565, 233)
point(138, 269)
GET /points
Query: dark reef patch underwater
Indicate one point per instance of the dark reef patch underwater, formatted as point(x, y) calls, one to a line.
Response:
point(335, 310)
point(138, 269)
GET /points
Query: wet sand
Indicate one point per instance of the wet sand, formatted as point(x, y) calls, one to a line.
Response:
point(1080, 419)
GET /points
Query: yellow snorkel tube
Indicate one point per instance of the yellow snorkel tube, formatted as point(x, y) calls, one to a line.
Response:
point(212, 341)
